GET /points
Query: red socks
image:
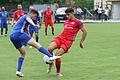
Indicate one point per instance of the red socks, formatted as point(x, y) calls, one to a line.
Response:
point(58, 65)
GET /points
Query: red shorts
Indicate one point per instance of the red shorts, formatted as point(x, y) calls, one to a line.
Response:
point(49, 22)
point(63, 43)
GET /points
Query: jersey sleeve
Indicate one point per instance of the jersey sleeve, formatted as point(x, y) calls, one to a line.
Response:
point(79, 24)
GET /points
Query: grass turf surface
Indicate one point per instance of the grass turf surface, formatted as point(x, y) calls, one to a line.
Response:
point(98, 60)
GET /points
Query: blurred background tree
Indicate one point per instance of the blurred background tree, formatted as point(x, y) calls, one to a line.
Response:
point(73, 3)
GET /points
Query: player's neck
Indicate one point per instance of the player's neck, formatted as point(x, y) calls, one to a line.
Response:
point(20, 9)
point(71, 18)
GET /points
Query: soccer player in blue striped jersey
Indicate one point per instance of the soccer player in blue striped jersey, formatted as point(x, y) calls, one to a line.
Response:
point(19, 38)
point(33, 29)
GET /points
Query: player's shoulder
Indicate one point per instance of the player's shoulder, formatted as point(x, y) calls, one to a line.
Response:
point(74, 20)
point(77, 20)
point(25, 16)
point(16, 11)
point(66, 21)
point(45, 10)
point(22, 11)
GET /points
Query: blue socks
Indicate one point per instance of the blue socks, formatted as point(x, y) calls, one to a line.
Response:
point(20, 62)
point(44, 51)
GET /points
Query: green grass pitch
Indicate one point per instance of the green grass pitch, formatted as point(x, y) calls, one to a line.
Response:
point(98, 60)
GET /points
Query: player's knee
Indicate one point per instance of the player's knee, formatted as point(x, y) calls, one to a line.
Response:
point(22, 54)
point(59, 54)
point(58, 59)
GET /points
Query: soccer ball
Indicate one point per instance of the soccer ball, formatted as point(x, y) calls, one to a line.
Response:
point(46, 59)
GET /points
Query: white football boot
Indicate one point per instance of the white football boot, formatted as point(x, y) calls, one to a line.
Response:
point(19, 74)
point(59, 75)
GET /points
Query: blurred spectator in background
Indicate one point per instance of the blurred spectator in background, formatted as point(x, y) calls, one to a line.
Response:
point(84, 15)
point(100, 10)
point(96, 14)
point(106, 13)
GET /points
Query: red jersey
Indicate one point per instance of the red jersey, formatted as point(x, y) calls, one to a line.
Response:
point(71, 28)
point(48, 13)
point(18, 14)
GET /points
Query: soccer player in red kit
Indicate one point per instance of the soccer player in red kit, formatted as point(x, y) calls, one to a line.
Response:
point(48, 19)
point(18, 13)
point(64, 41)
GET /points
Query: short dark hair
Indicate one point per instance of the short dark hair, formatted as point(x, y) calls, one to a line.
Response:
point(34, 12)
point(69, 10)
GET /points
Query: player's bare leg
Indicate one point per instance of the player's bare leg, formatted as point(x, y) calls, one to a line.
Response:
point(36, 36)
point(31, 34)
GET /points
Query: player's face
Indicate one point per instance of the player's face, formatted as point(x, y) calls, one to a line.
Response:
point(20, 7)
point(69, 15)
point(3, 9)
point(33, 16)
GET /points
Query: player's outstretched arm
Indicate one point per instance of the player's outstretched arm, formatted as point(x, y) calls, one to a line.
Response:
point(31, 22)
point(84, 34)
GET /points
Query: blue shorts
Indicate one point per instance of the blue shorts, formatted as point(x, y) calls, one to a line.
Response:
point(19, 39)
point(33, 29)
point(4, 25)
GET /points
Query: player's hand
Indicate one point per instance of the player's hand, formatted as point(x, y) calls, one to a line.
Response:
point(81, 45)
point(38, 26)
